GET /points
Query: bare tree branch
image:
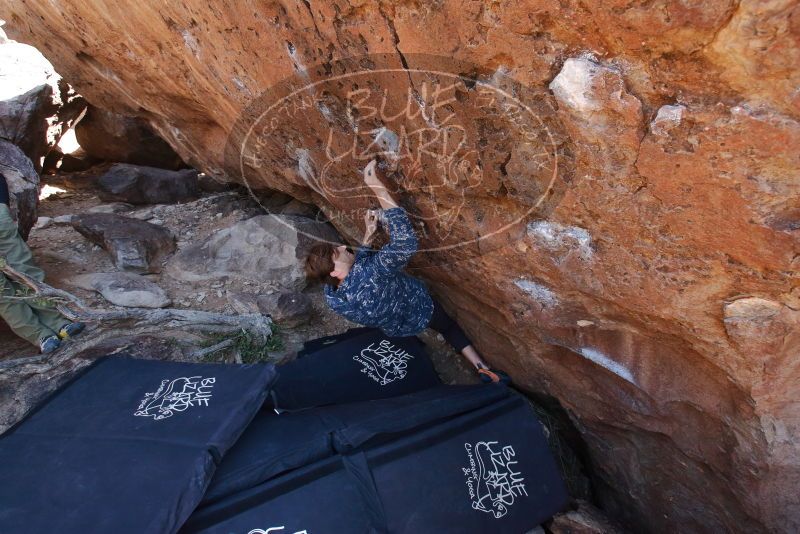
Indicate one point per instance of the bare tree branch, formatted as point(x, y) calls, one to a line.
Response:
point(213, 348)
point(142, 321)
point(43, 290)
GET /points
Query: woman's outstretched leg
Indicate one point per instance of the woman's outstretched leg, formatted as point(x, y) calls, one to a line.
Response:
point(445, 325)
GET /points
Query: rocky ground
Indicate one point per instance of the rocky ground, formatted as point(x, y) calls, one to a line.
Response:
point(64, 254)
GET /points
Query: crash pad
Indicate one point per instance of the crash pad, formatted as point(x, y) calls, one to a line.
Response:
point(363, 367)
point(275, 443)
point(129, 446)
point(486, 470)
point(313, 345)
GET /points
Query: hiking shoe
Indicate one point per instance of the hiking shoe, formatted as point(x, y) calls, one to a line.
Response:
point(49, 344)
point(71, 330)
point(489, 376)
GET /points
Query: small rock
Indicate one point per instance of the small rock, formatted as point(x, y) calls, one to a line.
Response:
point(289, 309)
point(114, 207)
point(143, 215)
point(243, 303)
point(63, 219)
point(134, 245)
point(124, 289)
point(42, 223)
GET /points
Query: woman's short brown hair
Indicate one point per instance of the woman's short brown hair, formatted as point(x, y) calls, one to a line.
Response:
point(319, 264)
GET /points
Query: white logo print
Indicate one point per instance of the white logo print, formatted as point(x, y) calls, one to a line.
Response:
point(492, 483)
point(384, 362)
point(273, 529)
point(176, 396)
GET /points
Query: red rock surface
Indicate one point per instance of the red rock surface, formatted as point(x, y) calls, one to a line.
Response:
point(654, 292)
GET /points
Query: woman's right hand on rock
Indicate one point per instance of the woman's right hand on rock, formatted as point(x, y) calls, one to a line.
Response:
point(371, 179)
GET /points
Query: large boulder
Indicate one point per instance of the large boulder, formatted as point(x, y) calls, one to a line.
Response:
point(653, 147)
point(113, 137)
point(136, 184)
point(23, 186)
point(36, 105)
point(264, 248)
point(123, 289)
point(134, 245)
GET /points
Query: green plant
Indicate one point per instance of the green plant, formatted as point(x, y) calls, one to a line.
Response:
point(250, 347)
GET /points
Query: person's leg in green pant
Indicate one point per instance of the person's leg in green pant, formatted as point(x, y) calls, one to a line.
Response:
point(50, 317)
point(27, 317)
point(22, 319)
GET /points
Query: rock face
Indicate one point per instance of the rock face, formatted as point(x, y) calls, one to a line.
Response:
point(23, 186)
point(266, 247)
point(134, 245)
point(137, 184)
point(112, 137)
point(586, 519)
point(36, 105)
point(596, 185)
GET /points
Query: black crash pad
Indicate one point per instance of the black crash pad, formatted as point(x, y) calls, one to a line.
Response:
point(485, 470)
point(314, 345)
point(127, 447)
point(363, 367)
point(276, 443)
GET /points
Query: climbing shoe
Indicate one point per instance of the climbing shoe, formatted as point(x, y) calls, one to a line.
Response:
point(49, 344)
point(493, 376)
point(71, 330)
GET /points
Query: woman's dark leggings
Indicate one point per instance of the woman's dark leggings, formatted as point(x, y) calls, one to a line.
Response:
point(445, 325)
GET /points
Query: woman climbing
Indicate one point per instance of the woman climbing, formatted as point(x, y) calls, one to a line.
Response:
point(370, 287)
